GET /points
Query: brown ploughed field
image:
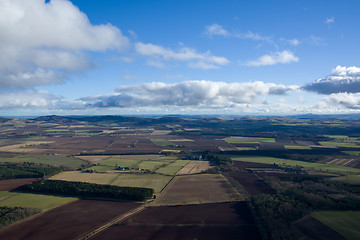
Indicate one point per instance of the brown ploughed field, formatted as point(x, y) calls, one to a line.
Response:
point(71, 221)
point(10, 184)
point(251, 183)
point(232, 213)
point(200, 188)
point(132, 232)
point(202, 221)
point(244, 165)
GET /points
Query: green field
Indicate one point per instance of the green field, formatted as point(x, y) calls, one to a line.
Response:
point(164, 165)
point(120, 162)
point(340, 144)
point(352, 179)
point(44, 202)
point(152, 165)
point(245, 148)
point(296, 147)
point(54, 160)
point(161, 142)
point(306, 165)
point(154, 181)
point(347, 223)
point(267, 140)
point(172, 168)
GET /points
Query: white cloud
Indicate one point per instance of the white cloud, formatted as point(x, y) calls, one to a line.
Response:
point(275, 58)
point(345, 100)
point(189, 93)
point(216, 30)
point(341, 79)
point(24, 99)
point(48, 37)
point(159, 54)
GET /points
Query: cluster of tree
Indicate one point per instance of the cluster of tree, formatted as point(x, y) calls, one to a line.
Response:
point(296, 198)
point(9, 215)
point(82, 189)
point(26, 170)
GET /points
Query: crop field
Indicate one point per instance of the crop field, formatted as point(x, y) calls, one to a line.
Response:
point(161, 141)
point(44, 202)
point(296, 147)
point(154, 181)
point(10, 184)
point(163, 165)
point(309, 166)
point(172, 167)
point(345, 161)
point(54, 160)
point(194, 167)
point(352, 179)
point(347, 223)
point(311, 228)
point(251, 183)
point(241, 140)
point(26, 147)
point(77, 176)
point(71, 221)
point(173, 222)
point(196, 189)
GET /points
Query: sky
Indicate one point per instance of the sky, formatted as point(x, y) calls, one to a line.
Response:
point(191, 57)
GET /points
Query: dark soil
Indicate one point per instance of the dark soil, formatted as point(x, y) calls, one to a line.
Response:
point(71, 221)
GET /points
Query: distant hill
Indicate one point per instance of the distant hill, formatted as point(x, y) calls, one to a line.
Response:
point(57, 119)
point(2, 120)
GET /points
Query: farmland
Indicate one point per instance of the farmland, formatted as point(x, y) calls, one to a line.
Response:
point(345, 222)
point(213, 178)
point(205, 188)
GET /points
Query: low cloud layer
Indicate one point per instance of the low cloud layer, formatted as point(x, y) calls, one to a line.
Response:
point(159, 54)
point(345, 100)
point(189, 93)
point(342, 79)
point(40, 41)
point(275, 58)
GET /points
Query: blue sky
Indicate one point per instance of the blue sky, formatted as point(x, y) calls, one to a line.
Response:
point(179, 57)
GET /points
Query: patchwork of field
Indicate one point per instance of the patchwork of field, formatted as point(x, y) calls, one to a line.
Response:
point(203, 221)
point(71, 221)
point(347, 223)
point(26, 147)
point(54, 160)
point(44, 202)
point(196, 189)
point(306, 165)
point(194, 167)
point(154, 163)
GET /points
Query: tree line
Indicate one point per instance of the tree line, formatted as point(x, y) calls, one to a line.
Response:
point(83, 189)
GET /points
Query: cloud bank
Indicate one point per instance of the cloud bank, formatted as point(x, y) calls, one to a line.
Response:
point(41, 41)
point(342, 79)
point(188, 93)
